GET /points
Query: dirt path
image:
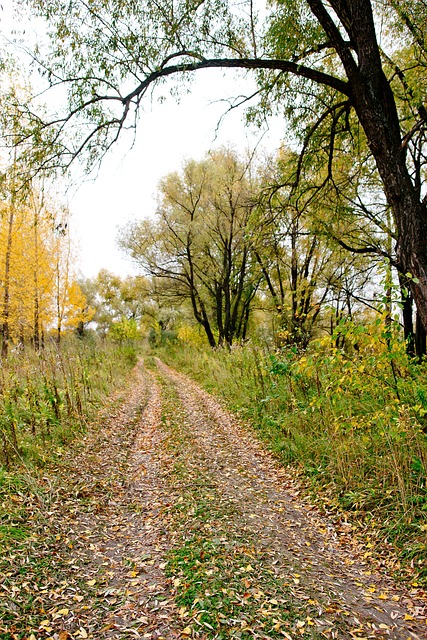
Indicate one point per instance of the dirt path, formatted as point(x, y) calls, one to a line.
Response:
point(172, 522)
point(301, 546)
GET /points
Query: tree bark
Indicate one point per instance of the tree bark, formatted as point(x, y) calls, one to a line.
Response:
point(407, 315)
point(420, 338)
point(6, 295)
point(375, 106)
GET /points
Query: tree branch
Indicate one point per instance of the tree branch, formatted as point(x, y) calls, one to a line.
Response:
point(242, 63)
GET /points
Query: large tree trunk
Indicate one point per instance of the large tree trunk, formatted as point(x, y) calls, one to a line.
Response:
point(374, 103)
point(420, 338)
point(407, 314)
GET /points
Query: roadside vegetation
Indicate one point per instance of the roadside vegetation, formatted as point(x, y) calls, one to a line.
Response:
point(350, 419)
point(46, 403)
point(51, 403)
point(48, 398)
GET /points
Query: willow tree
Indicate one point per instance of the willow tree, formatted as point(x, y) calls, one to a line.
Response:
point(322, 61)
point(201, 245)
point(306, 270)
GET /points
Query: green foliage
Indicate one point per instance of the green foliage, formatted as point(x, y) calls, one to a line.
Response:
point(48, 397)
point(351, 419)
point(120, 303)
point(124, 331)
point(200, 249)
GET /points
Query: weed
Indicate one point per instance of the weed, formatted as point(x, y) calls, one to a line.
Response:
point(352, 425)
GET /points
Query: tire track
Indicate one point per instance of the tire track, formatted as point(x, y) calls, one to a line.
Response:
point(302, 545)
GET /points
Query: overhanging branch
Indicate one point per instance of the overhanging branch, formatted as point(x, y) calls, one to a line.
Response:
point(242, 63)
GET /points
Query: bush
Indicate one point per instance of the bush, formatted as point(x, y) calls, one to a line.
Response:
point(47, 397)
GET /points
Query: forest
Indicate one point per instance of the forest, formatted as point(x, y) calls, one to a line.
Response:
point(281, 296)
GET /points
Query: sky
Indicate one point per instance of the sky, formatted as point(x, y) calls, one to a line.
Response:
point(168, 133)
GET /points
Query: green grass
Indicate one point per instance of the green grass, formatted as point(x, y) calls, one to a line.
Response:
point(351, 424)
point(47, 398)
point(225, 584)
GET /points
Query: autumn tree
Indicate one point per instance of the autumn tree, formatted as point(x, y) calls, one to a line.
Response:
point(305, 269)
point(71, 307)
point(322, 61)
point(200, 247)
point(119, 302)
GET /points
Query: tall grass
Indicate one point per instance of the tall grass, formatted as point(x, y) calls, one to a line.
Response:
point(353, 420)
point(46, 398)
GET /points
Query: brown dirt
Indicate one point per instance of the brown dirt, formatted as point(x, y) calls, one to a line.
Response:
point(297, 539)
point(111, 509)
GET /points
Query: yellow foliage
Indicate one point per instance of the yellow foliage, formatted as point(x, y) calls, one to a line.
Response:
point(192, 335)
point(75, 308)
point(37, 288)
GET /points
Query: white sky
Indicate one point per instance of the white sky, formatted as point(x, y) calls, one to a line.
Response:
point(168, 133)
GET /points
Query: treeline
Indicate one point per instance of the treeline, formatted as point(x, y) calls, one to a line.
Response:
point(245, 247)
point(39, 293)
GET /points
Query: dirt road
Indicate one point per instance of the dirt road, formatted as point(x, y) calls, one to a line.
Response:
point(173, 522)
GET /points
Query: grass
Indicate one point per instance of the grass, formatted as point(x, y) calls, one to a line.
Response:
point(225, 585)
point(47, 398)
point(352, 422)
point(47, 402)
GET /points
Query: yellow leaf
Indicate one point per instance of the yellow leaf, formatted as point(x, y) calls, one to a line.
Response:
point(383, 596)
point(64, 612)
point(408, 616)
point(186, 631)
point(91, 582)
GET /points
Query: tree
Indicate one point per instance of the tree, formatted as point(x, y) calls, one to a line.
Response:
point(304, 267)
point(37, 280)
point(72, 309)
point(120, 303)
point(201, 247)
point(322, 58)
